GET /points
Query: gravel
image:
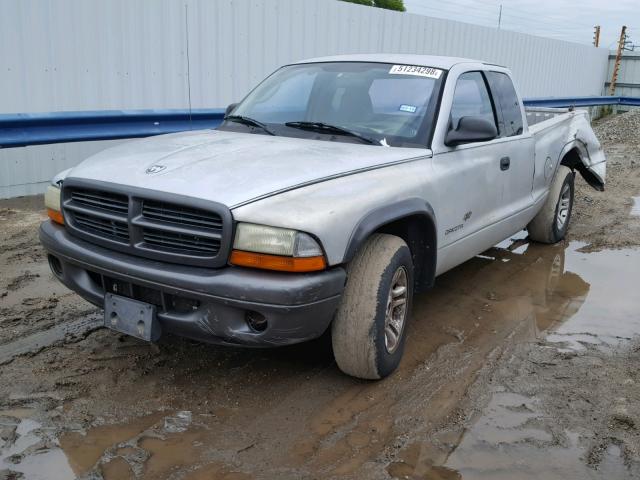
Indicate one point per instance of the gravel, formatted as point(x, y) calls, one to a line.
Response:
point(619, 128)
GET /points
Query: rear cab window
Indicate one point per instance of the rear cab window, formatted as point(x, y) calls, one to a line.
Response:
point(507, 104)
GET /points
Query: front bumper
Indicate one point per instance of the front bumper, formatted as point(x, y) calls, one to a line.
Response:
point(210, 305)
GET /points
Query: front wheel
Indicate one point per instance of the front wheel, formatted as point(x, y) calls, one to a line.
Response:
point(551, 223)
point(369, 329)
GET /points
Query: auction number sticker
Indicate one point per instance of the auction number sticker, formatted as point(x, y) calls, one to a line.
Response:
point(416, 70)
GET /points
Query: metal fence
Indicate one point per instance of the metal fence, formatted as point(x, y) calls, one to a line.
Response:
point(25, 130)
point(79, 55)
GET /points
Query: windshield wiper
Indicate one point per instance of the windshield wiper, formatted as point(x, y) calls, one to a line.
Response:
point(249, 121)
point(325, 127)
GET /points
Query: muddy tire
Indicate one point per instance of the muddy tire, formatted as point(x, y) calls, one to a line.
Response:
point(369, 329)
point(551, 223)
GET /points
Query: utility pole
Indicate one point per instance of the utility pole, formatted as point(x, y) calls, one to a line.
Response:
point(596, 36)
point(616, 65)
point(500, 17)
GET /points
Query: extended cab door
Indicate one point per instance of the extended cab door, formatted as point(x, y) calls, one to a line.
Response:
point(480, 185)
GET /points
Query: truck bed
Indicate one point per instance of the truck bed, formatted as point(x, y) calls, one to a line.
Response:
point(537, 115)
point(555, 129)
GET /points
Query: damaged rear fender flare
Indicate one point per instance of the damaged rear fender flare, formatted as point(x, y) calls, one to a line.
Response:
point(579, 164)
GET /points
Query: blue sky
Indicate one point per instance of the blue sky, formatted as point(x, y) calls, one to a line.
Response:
point(570, 20)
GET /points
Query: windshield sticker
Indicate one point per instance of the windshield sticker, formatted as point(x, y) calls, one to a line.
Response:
point(408, 108)
point(417, 70)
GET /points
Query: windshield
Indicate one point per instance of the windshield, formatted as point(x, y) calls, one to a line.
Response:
point(389, 104)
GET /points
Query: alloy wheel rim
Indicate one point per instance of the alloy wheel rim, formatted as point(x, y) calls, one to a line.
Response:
point(563, 206)
point(396, 310)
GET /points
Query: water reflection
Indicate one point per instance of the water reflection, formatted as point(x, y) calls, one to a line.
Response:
point(575, 301)
point(30, 449)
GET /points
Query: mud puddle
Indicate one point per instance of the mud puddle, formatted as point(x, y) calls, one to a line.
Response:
point(610, 313)
point(509, 442)
point(521, 363)
point(154, 446)
point(502, 378)
point(31, 450)
point(557, 406)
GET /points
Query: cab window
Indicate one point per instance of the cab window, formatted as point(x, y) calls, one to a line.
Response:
point(506, 99)
point(471, 99)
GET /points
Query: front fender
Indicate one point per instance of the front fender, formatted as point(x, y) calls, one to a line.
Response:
point(340, 212)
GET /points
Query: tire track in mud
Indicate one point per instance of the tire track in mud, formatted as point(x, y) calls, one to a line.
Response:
point(71, 331)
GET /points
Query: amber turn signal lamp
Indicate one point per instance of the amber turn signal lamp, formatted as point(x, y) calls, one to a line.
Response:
point(276, 262)
point(56, 216)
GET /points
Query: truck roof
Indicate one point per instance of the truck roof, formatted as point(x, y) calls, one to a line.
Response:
point(396, 58)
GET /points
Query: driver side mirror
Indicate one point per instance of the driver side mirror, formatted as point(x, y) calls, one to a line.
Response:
point(471, 129)
point(230, 109)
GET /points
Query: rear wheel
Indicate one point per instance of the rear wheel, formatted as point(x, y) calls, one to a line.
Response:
point(550, 225)
point(370, 327)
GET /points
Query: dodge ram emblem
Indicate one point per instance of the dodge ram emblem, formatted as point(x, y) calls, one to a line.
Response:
point(155, 169)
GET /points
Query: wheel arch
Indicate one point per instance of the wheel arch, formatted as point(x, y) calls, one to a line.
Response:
point(414, 221)
point(572, 156)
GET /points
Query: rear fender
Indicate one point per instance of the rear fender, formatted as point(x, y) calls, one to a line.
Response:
point(586, 157)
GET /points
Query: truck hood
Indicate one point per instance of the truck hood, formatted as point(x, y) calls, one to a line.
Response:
point(233, 168)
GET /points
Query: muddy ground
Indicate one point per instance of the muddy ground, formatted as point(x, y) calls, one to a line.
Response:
point(521, 363)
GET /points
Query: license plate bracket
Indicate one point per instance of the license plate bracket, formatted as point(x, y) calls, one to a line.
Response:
point(132, 317)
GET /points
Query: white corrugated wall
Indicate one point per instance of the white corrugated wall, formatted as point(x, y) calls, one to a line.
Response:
point(628, 82)
point(58, 55)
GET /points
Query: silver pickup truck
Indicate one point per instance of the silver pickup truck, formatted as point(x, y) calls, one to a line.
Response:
point(332, 194)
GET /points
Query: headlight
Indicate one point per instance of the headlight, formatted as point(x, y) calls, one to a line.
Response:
point(273, 248)
point(52, 203)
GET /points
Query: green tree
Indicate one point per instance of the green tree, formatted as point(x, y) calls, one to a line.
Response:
point(388, 4)
point(368, 3)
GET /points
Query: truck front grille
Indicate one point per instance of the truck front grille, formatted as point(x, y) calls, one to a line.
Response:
point(147, 223)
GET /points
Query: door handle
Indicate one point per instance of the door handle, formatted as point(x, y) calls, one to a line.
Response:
point(504, 163)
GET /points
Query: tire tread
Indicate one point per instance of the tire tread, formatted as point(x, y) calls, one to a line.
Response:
point(353, 332)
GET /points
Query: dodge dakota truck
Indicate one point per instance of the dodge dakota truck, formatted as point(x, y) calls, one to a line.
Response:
point(333, 193)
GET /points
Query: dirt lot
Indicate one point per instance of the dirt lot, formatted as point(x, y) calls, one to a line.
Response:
point(522, 363)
